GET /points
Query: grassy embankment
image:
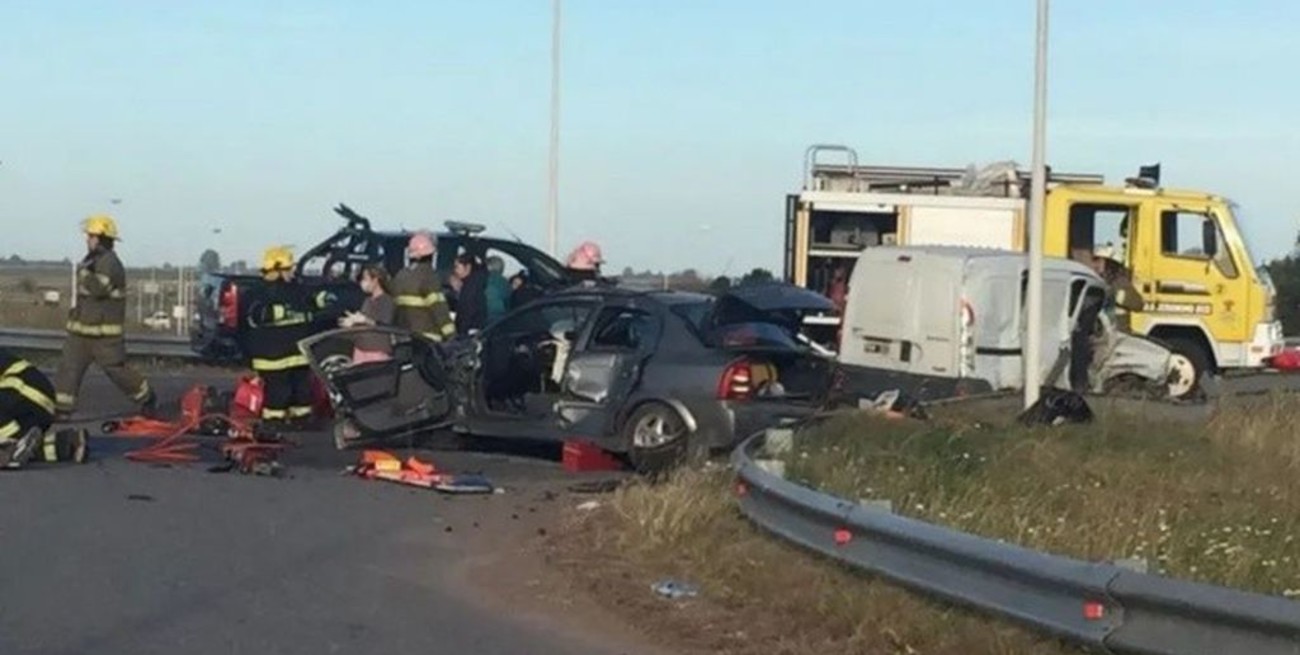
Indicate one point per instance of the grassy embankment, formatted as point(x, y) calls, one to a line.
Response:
point(1211, 502)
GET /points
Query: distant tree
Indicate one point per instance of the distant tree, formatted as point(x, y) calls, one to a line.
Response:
point(757, 276)
point(209, 261)
point(628, 272)
point(14, 258)
point(27, 285)
point(1285, 272)
point(687, 280)
point(720, 284)
point(239, 266)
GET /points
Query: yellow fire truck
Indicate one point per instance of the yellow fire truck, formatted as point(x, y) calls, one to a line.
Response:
point(1203, 296)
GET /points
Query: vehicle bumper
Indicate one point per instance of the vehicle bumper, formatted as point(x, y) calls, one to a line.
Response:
point(1266, 342)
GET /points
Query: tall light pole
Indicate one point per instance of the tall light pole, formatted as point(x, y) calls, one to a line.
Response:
point(1033, 345)
point(553, 182)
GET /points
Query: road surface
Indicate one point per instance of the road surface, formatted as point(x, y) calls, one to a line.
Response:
point(116, 557)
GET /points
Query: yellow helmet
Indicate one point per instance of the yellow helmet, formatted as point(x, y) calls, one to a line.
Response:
point(100, 225)
point(277, 258)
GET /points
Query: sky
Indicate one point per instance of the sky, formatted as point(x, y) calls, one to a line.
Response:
point(683, 122)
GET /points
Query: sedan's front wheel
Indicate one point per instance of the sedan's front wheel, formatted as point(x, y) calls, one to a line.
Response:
point(658, 439)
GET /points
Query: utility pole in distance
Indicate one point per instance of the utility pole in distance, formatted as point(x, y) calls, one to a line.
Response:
point(553, 187)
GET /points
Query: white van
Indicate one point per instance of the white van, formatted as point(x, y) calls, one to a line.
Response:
point(940, 321)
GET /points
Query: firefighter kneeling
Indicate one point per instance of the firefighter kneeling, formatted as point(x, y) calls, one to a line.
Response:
point(280, 320)
point(26, 413)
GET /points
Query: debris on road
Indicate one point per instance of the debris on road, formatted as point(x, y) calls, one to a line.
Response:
point(594, 487)
point(1056, 407)
point(382, 465)
point(588, 506)
point(675, 589)
point(140, 497)
point(894, 404)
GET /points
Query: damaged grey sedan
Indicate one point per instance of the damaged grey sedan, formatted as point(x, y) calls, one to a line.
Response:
point(660, 377)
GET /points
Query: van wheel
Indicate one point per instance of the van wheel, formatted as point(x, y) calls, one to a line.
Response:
point(1189, 363)
point(658, 439)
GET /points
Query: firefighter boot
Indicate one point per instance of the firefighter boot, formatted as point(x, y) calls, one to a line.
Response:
point(22, 450)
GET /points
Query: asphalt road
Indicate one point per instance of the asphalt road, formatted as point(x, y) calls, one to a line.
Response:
point(116, 557)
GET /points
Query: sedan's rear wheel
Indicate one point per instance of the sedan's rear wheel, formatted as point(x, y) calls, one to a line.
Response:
point(658, 439)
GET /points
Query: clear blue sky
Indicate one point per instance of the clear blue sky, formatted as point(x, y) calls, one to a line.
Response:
point(257, 116)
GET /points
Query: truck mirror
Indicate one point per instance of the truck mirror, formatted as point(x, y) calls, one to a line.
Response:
point(1210, 238)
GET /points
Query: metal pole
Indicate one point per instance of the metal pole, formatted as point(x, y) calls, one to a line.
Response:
point(553, 187)
point(73, 289)
point(180, 290)
point(1037, 194)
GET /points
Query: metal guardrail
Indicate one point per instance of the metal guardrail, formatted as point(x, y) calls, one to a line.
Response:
point(1093, 604)
point(136, 344)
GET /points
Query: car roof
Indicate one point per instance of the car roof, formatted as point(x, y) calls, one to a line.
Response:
point(665, 297)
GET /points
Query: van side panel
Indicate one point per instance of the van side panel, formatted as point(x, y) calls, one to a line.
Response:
point(903, 314)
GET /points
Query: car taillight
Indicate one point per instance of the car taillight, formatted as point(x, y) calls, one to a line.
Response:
point(228, 305)
point(737, 381)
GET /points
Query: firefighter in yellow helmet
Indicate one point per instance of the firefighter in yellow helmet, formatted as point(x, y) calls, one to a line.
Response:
point(283, 316)
point(95, 323)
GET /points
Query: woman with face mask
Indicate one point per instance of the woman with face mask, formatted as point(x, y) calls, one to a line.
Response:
point(377, 309)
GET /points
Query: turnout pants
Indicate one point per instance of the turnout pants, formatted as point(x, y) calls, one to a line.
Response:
point(286, 394)
point(79, 352)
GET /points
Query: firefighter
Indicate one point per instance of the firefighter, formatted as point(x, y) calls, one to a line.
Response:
point(280, 319)
point(421, 306)
point(26, 413)
point(1122, 297)
point(95, 323)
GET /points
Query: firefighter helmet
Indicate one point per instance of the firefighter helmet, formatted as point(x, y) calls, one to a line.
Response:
point(277, 258)
point(586, 257)
point(100, 225)
point(420, 245)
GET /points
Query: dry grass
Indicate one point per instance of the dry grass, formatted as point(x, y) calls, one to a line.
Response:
point(757, 594)
point(1216, 503)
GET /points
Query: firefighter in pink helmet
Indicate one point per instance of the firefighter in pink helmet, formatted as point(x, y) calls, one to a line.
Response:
point(586, 260)
point(417, 291)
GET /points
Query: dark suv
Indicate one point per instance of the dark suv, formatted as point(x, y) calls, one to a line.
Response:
point(223, 300)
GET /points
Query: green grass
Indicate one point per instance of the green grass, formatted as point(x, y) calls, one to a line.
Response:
point(1217, 503)
point(758, 595)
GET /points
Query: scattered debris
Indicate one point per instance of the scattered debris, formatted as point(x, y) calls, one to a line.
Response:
point(894, 404)
point(1056, 407)
point(382, 465)
point(593, 487)
point(675, 589)
point(588, 506)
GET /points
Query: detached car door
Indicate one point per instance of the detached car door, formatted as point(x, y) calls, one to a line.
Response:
point(606, 367)
point(402, 384)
